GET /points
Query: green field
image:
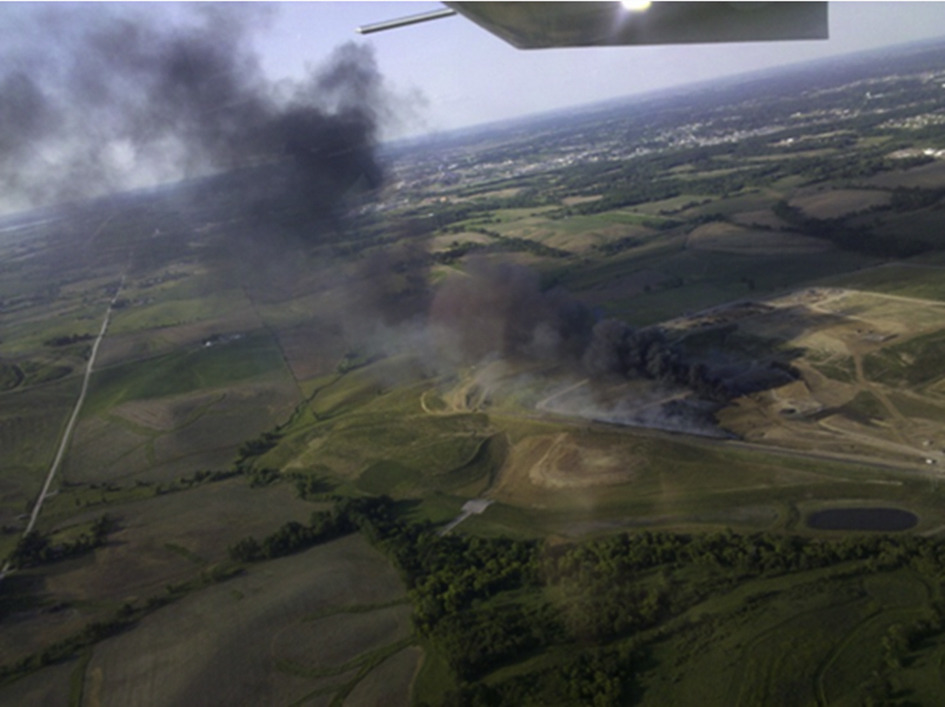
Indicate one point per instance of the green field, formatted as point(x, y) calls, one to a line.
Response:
point(184, 371)
point(805, 639)
point(906, 280)
point(308, 472)
point(340, 583)
point(916, 362)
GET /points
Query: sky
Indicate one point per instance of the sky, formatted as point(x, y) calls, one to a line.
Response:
point(98, 97)
point(467, 76)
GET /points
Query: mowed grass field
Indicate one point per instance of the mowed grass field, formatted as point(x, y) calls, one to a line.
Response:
point(163, 438)
point(808, 638)
point(730, 238)
point(159, 540)
point(173, 312)
point(185, 371)
point(31, 422)
point(227, 644)
point(379, 439)
point(835, 203)
point(905, 280)
point(182, 411)
point(692, 487)
point(691, 279)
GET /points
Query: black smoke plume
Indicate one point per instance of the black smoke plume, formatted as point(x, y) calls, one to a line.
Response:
point(501, 309)
point(101, 98)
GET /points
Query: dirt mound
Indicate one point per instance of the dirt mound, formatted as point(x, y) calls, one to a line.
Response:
point(562, 461)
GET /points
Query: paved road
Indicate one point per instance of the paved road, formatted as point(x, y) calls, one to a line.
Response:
point(473, 507)
point(67, 434)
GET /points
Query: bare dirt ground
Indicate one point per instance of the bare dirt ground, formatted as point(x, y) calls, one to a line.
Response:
point(561, 461)
point(831, 330)
point(850, 325)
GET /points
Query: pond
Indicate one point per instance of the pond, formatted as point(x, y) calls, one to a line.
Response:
point(881, 519)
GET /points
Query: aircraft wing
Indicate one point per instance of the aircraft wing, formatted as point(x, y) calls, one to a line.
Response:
point(537, 25)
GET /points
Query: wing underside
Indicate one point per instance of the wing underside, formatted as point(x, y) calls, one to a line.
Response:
point(536, 25)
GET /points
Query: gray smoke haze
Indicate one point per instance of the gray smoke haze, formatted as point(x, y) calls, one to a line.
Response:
point(501, 309)
point(103, 98)
point(100, 98)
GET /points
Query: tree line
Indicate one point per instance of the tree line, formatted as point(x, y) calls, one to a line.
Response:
point(485, 603)
point(845, 237)
point(36, 548)
point(57, 341)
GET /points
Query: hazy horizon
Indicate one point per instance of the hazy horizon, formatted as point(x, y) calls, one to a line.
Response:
point(116, 124)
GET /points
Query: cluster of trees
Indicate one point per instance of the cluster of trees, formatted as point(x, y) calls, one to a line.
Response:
point(36, 548)
point(527, 197)
point(487, 602)
point(352, 360)
point(902, 639)
point(500, 244)
point(347, 516)
point(857, 239)
point(639, 191)
point(11, 375)
point(914, 198)
point(457, 251)
point(198, 478)
point(263, 476)
point(256, 447)
point(66, 648)
point(124, 618)
point(292, 537)
point(182, 483)
point(598, 676)
point(446, 214)
point(804, 143)
point(311, 488)
point(648, 179)
point(851, 164)
point(515, 244)
point(477, 641)
point(618, 246)
point(68, 340)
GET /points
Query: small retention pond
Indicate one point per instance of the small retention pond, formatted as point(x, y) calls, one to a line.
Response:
point(881, 519)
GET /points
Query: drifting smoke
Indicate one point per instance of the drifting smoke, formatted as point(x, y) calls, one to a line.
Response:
point(105, 98)
point(500, 309)
point(601, 369)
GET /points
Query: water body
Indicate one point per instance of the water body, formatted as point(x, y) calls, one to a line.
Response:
point(880, 519)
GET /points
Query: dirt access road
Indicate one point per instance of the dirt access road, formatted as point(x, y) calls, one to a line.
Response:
point(67, 434)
